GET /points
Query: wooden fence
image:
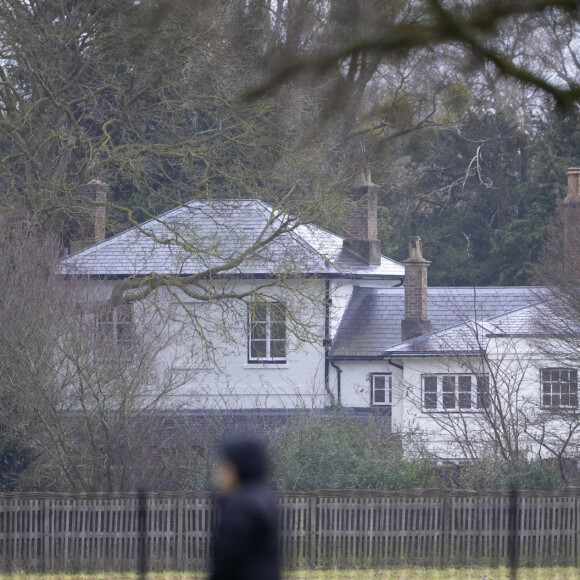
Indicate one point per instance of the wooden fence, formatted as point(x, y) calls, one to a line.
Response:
point(325, 528)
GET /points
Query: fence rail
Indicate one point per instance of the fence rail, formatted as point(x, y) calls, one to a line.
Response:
point(325, 528)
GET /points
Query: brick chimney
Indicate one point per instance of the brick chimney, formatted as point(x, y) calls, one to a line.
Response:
point(571, 214)
point(91, 229)
point(415, 322)
point(361, 221)
point(97, 191)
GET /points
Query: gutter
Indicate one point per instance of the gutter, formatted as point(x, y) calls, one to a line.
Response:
point(390, 362)
point(358, 357)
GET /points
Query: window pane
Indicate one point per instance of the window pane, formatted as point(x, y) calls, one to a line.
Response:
point(258, 349)
point(464, 393)
point(431, 384)
point(278, 331)
point(430, 401)
point(124, 313)
point(483, 391)
point(105, 316)
point(278, 312)
point(379, 381)
point(573, 388)
point(124, 335)
point(379, 396)
point(106, 336)
point(277, 349)
point(430, 392)
point(259, 332)
point(259, 312)
point(448, 384)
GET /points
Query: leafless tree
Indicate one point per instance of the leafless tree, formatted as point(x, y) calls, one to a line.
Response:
point(82, 388)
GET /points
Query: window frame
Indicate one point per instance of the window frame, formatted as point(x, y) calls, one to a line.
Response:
point(114, 328)
point(387, 388)
point(552, 407)
point(268, 339)
point(450, 397)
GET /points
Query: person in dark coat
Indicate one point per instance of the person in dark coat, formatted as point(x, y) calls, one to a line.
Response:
point(246, 540)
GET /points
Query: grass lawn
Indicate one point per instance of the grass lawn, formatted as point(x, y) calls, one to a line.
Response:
point(404, 574)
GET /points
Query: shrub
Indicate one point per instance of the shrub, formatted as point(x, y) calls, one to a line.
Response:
point(330, 450)
point(494, 473)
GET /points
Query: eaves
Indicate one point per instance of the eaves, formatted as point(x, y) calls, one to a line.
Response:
point(432, 354)
point(357, 357)
point(241, 276)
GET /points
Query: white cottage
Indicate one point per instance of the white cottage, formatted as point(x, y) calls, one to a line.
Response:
point(253, 296)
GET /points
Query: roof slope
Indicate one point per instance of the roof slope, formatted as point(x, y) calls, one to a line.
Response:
point(220, 232)
point(372, 321)
point(471, 337)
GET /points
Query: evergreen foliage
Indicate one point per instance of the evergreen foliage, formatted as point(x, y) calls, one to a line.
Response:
point(487, 195)
point(492, 473)
point(314, 451)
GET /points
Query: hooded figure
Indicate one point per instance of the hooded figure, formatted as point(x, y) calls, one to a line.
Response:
point(246, 541)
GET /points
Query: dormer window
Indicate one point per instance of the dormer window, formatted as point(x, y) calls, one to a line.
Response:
point(267, 332)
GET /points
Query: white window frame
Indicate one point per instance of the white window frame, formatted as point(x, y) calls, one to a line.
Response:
point(268, 358)
point(388, 388)
point(572, 379)
point(110, 330)
point(449, 400)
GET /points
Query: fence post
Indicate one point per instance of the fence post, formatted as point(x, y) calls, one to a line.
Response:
point(577, 530)
point(313, 530)
point(444, 530)
point(513, 532)
point(179, 542)
point(46, 565)
point(142, 522)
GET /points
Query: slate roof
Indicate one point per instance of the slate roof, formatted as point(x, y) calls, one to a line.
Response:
point(217, 232)
point(469, 338)
point(372, 321)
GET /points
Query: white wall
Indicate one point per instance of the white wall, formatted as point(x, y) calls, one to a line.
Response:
point(513, 367)
point(210, 356)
